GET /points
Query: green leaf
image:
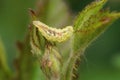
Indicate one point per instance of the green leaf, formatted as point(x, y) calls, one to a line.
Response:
point(88, 26)
point(89, 10)
point(92, 28)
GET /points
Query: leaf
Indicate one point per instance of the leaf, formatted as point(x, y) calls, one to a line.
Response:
point(95, 25)
point(89, 10)
point(91, 22)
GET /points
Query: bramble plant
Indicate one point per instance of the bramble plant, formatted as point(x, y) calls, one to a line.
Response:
point(44, 43)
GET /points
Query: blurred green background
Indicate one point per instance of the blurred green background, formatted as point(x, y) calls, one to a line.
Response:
point(101, 60)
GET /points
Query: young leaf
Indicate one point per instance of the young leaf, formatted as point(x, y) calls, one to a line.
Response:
point(95, 25)
point(89, 10)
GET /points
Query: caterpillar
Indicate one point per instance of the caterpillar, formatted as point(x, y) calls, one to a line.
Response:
point(54, 34)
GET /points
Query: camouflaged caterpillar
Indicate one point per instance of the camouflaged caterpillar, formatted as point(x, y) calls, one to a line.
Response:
point(53, 34)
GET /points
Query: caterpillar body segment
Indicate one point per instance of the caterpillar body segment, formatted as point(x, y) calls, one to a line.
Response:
point(54, 34)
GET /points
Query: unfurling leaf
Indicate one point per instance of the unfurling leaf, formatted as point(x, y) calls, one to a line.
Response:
point(89, 10)
point(92, 27)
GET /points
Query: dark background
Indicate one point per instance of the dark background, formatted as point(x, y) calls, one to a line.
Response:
point(101, 60)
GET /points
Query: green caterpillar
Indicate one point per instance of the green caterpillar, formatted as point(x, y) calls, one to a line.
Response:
point(53, 34)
